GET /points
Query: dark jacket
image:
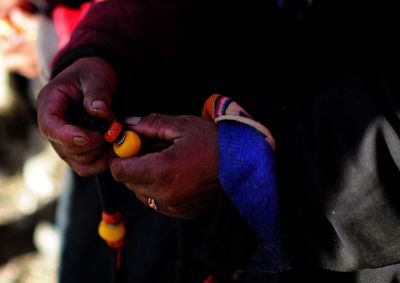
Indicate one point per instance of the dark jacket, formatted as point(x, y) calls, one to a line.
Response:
point(324, 81)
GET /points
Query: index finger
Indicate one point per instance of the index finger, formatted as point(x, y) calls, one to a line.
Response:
point(147, 169)
point(53, 105)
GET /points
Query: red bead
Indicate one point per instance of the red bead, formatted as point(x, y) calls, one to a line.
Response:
point(111, 218)
point(113, 132)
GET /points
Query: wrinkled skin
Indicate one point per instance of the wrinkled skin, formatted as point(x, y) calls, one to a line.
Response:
point(90, 82)
point(183, 177)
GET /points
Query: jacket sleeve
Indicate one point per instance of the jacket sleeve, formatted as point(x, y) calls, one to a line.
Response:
point(143, 28)
point(69, 3)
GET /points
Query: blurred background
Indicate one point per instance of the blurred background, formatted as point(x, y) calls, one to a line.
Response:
point(31, 175)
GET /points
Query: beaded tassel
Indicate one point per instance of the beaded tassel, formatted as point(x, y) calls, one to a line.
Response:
point(112, 227)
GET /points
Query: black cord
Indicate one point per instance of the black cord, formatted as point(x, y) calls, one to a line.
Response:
point(106, 201)
point(104, 181)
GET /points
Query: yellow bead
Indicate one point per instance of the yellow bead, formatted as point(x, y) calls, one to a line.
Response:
point(110, 232)
point(130, 145)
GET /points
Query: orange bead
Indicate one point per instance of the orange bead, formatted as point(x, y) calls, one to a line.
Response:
point(111, 232)
point(128, 146)
point(8, 29)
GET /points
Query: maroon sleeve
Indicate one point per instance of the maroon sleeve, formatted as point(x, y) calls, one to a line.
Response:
point(69, 3)
point(129, 34)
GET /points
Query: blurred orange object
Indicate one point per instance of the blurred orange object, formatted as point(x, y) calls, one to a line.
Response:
point(7, 29)
point(18, 38)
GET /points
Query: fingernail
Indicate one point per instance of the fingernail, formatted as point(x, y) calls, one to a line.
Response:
point(79, 140)
point(132, 121)
point(99, 105)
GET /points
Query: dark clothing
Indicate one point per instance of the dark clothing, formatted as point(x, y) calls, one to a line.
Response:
point(70, 3)
point(151, 254)
point(319, 81)
point(45, 7)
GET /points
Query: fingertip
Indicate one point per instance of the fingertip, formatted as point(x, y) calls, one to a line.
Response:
point(80, 140)
point(99, 108)
point(99, 105)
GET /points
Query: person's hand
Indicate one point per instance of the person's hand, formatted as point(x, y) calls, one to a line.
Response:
point(89, 83)
point(182, 179)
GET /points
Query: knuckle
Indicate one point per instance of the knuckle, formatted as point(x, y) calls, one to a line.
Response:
point(43, 93)
point(43, 128)
point(82, 173)
point(153, 119)
point(81, 159)
point(117, 171)
point(76, 168)
point(132, 187)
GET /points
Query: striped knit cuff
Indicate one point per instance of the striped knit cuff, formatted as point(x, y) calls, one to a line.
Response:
point(221, 108)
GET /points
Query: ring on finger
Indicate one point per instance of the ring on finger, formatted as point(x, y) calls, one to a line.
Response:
point(152, 203)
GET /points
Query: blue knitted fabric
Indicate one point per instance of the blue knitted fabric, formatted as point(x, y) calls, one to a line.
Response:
point(247, 176)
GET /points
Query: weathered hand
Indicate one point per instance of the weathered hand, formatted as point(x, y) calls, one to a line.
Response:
point(90, 82)
point(182, 178)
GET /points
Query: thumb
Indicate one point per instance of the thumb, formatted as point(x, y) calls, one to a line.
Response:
point(98, 86)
